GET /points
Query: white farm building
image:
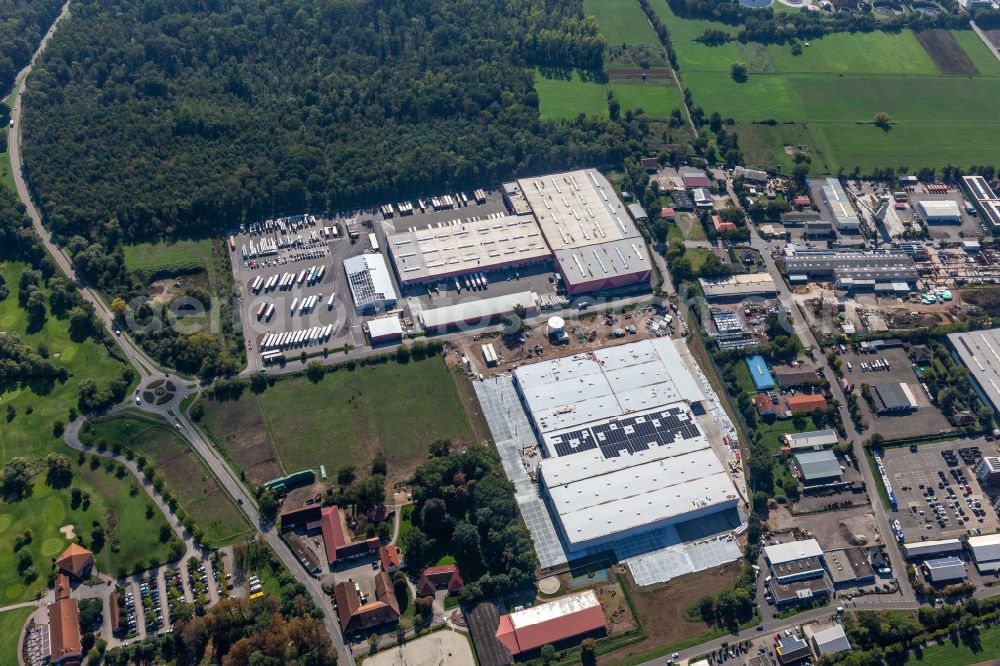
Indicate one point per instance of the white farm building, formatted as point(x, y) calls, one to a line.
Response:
point(622, 451)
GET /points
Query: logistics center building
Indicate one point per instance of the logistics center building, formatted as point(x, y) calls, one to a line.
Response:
point(622, 451)
point(595, 243)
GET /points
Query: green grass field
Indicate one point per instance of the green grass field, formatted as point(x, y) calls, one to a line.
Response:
point(697, 256)
point(621, 21)
point(831, 93)
point(398, 408)
point(657, 99)
point(30, 435)
point(183, 256)
point(186, 477)
point(11, 623)
point(564, 99)
point(950, 654)
point(46, 510)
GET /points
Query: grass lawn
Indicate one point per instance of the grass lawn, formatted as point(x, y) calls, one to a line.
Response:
point(674, 234)
point(764, 145)
point(697, 257)
point(30, 435)
point(398, 408)
point(566, 98)
point(11, 623)
point(621, 21)
point(691, 227)
point(183, 256)
point(185, 476)
point(656, 98)
point(46, 510)
point(962, 654)
point(857, 53)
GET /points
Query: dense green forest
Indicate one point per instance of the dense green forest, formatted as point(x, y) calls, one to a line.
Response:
point(22, 24)
point(184, 115)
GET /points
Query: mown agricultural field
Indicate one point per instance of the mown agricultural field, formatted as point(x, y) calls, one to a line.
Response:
point(565, 95)
point(396, 408)
point(940, 91)
point(621, 21)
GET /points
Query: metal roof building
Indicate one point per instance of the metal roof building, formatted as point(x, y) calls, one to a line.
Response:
point(831, 641)
point(836, 200)
point(761, 376)
point(595, 243)
point(980, 352)
point(818, 466)
point(623, 452)
point(551, 622)
point(612, 382)
point(738, 286)
point(986, 551)
point(370, 283)
point(792, 550)
point(917, 549)
point(984, 198)
point(945, 569)
point(385, 329)
point(817, 439)
point(833, 265)
point(894, 398)
point(478, 312)
point(945, 210)
point(457, 248)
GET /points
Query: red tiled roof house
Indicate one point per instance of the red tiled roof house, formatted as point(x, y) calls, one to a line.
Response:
point(445, 576)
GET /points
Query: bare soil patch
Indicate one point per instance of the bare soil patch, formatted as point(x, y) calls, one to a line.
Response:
point(661, 608)
point(946, 52)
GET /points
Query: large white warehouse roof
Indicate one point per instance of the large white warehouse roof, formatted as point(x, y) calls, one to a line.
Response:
point(571, 391)
point(986, 551)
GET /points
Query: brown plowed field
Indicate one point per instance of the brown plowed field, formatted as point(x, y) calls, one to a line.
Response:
point(946, 52)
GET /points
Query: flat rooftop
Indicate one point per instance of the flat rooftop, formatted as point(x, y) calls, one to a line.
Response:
point(586, 225)
point(571, 391)
point(791, 551)
point(598, 496)
point(798, 590)
point(462, 246)
point(980, 352)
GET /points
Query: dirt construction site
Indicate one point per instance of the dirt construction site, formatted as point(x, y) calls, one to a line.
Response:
point(833, 529)
point(583, 335)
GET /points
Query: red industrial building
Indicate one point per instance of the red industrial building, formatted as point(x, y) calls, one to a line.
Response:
point(570, 617)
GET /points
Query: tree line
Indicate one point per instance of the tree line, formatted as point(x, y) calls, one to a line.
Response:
point(22, 25)
point(766, 26)
point(151, 118)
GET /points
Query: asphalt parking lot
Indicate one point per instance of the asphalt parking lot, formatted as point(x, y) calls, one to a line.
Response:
point(926, 419)
point(932, 506)
point(327, 252)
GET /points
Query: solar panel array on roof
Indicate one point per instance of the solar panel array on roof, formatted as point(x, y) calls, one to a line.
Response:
point(628, 435)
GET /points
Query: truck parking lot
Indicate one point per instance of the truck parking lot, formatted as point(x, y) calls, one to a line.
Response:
point(937, 493)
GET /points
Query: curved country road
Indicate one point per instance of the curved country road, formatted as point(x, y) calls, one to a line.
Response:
point(148, 370)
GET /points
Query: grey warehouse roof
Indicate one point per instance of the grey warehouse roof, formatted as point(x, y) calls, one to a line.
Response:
point(818, 465)
point(980, 352)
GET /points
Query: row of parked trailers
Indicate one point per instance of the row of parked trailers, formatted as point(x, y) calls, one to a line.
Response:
point(263, 248)
point(309, 276)
point(437, 203)
point(307, 304)
point(304, 338)
point(265, 311)
point(473, 281)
